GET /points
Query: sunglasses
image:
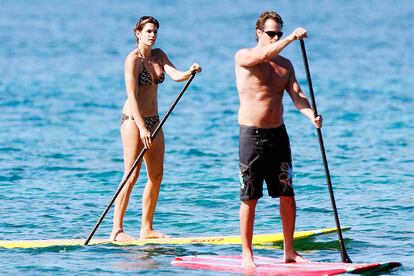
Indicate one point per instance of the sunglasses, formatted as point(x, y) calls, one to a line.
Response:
point(272, 34)
point(150, 20)
point(145, 17)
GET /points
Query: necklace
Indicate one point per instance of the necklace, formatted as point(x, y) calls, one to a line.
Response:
point(147, 60)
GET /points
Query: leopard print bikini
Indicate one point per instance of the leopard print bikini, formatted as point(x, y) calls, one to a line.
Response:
point(145, 78)
point(150, 122)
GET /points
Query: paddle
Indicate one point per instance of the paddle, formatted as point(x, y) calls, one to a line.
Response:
point(345, 257)
point(139, 158)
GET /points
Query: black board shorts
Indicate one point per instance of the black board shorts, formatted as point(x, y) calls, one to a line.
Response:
point(265, 155)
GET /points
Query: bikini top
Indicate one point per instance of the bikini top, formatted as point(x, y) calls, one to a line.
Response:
point(145, 79)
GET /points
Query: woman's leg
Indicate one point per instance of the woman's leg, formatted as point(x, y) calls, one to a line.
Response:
point(132, 146)
point(154, 162)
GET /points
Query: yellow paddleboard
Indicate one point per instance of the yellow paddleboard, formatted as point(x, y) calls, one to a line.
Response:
point(257, 239)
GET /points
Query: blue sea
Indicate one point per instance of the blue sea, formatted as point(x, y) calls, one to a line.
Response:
point(61, 94)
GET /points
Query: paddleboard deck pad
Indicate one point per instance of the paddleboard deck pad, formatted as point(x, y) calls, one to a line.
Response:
point(274, 266)
point(257, 239)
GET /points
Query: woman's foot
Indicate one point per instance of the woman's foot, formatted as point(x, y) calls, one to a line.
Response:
point(120, 236)
point(152, 234)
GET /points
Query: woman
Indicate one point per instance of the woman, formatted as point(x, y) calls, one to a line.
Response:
point(145, 68)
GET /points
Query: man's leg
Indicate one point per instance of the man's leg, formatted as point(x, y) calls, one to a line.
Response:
point(288, 215)
point(247, 212)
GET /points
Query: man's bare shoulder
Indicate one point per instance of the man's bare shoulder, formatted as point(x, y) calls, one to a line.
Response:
point(245, 50)
point(241, 53)
point(282, 60)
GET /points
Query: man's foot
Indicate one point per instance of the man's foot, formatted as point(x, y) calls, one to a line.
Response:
point(294, 257)
point(248, 263)
point(120, 236)
point(152, 234)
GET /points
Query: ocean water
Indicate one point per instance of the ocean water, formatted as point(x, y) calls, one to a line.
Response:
point(61, 93)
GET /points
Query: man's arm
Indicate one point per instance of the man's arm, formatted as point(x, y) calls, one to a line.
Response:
point(254, 56)
point(300, 100)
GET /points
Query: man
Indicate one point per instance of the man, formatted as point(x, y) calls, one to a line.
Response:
point(262, 76)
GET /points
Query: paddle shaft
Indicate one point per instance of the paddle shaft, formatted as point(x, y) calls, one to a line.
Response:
point(344, 254)
point(138, 159)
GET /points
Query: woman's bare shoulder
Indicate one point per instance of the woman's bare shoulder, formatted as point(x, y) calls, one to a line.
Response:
point(133, 59)
point(158, 52)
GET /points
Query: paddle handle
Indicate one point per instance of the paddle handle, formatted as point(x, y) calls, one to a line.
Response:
point(344, 254)
point(138, 159)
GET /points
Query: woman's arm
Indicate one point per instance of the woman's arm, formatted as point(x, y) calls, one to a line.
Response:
point(175, 74)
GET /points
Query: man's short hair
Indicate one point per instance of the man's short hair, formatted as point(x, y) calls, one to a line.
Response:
point(265, 16)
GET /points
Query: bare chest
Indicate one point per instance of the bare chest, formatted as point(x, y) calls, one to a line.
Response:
point(272, 74)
